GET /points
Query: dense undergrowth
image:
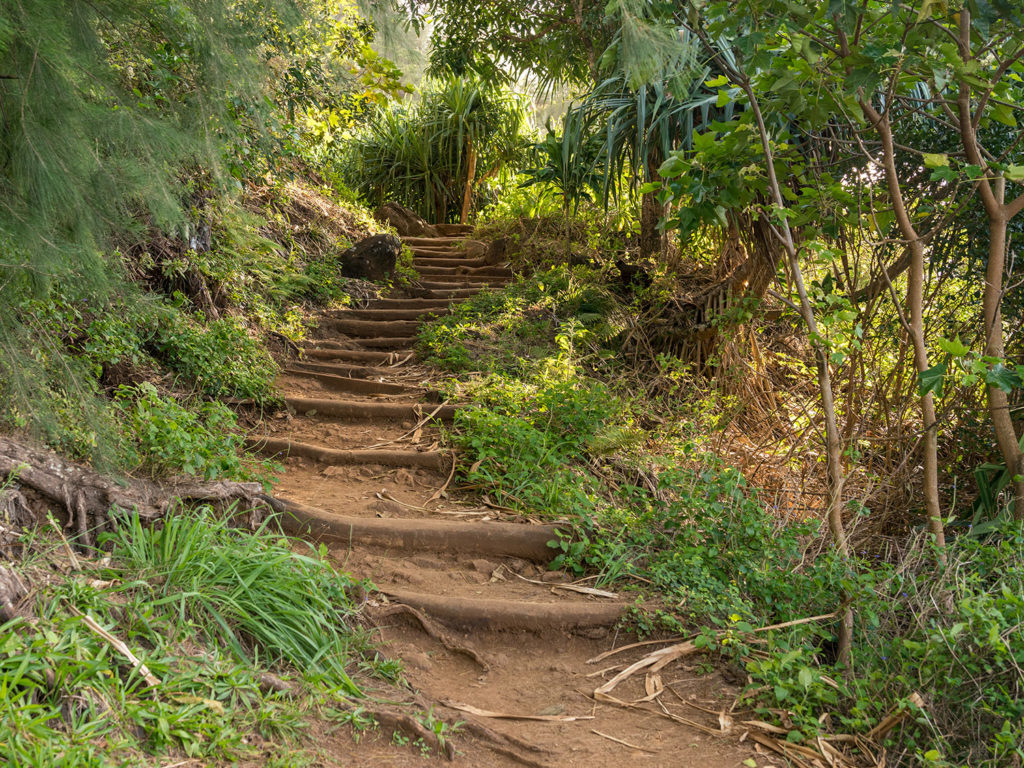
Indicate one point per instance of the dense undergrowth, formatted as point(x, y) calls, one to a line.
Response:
point(563, 432)
point(210, 610)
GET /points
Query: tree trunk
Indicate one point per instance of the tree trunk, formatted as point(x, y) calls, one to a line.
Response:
point(651, 212)
point(915, 327)
point(467, 195)
point(998, 401)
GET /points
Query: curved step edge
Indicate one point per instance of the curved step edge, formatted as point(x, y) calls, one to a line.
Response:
point(528, 542)
point(489, 614)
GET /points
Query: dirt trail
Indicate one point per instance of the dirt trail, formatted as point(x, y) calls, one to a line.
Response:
point(364, 469)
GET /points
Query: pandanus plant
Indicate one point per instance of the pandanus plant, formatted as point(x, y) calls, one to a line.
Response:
point(434, 156)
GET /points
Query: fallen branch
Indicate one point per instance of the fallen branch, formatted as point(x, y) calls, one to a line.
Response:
point(469, 708)
point(623, 742)
point(151, 679)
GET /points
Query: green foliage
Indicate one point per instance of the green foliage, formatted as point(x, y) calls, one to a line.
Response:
point(67, 698)
point(220, 358)
point(249, 592)
point(170, 438)
point(419, 154)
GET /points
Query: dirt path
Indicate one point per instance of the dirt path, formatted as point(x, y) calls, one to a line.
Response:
point(364, 469)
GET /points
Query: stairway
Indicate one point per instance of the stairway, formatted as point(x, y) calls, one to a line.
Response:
point(365, 472)
point(363, 465)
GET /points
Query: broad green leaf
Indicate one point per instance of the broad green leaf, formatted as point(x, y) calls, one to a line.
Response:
point(935, 160)
point(955, 347)
point(1014, 173)
point(1005, 378)
point(931, 380)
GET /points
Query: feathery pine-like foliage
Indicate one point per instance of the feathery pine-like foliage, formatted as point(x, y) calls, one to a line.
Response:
point(119, 120)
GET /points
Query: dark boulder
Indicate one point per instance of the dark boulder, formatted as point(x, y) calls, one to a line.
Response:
point(372, 259)
point(406, 222)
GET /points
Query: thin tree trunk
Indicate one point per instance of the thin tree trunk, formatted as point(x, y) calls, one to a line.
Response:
point(998, 401)
point(467, 195)
point(915, 327)
point(833, 437)
point(992, 189)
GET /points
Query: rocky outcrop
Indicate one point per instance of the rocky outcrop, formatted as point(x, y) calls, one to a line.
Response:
point(372, 259)
point(406, 222)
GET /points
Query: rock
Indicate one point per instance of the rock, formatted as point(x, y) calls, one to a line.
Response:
point(484, 566)
point(475, 249)
point(406, 222)
point(554, 577)
point(371, 259)
point(497, 251)
point(418, 660)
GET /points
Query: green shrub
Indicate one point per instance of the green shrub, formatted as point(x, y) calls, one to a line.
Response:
point(220, 359)
point(170, 438)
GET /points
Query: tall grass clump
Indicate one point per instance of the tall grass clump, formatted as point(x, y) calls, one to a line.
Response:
point(247, 590)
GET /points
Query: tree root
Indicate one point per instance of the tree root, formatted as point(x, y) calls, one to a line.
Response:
point(89, 497)
point(509, 746)
point(432, 630)
point(414, 729)
point(12, 595)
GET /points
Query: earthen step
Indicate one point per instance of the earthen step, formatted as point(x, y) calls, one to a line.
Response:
point(411, 241)
point(443, 283)
point(356, 355)
point(439, 261)
point(529, 542)
point(496, 615)
point(464, 271)
point(454, 230)
point(357, 410)
point(447, 251)
point(410, 303)
point(340, 369)
point(354, 385)
point(450, 293)
point(273, 446)
point(372, 328)
point(388, 342)
point(390, 314)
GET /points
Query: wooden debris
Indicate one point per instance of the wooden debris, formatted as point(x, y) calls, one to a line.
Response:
point(623, 742)
point(470, 709)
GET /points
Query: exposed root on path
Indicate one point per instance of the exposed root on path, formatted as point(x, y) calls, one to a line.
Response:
point(431, 629)
point(89, 497)
point(409, 726)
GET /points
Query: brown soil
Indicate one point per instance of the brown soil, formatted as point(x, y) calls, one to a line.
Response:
point(500, 635)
